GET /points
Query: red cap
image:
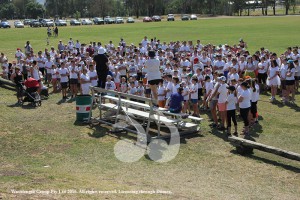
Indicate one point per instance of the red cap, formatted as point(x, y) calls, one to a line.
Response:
point(18, 49)
point(196, 60)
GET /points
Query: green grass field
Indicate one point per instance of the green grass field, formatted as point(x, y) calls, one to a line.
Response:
point(42, 149)
point(273, 33)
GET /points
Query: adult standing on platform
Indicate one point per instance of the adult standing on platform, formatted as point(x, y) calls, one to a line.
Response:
point(153, 73)
point(101, 61)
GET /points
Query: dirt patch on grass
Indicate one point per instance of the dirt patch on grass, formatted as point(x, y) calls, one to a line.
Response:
point(11, 173)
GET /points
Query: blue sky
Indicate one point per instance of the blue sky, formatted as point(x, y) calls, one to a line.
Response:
point(41, 1)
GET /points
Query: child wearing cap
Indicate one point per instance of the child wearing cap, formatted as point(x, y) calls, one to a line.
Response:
point(231, 108)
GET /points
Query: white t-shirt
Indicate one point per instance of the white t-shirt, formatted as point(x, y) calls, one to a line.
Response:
point(219, 66)
point(48, 66)
point(110, 85)
point(161, 91)
point(246, 94)
point(292, 72)
point(93, 74)
point(231, 102)
point(153, 72)
point(63, 71)
point(85, 86)
point(132, 70)
point(133, 91)
point(263, 68)
point(117, 77)
point(141, 91)
point(185, 93)
point(175, 87)
point(170, 88)
point(209, 86)
point(74, 75)
point(194, 89)
point(222, 93)
point(255, 95)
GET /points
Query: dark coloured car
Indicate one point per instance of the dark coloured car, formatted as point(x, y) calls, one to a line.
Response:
point(110, 21)
point(171, 17)
point(4, 24)
point(156, 18)
point(35, 23)
point(147, 19)
point(130, 20)
point(26, 21)
point(185, 17)
point(107, 19)
point(75, 22)
point(98, 21)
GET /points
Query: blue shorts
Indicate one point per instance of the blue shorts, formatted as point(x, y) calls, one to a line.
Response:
point(194, 101)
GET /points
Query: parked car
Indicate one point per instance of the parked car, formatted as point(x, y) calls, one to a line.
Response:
point(4, 24)
point(86, 22)
point(18, 24)
point(156, 18)
point(193, 17)
point(35, 23)
point(171, 17)
point(107, 19)
point(60, 22)
point(27, 21)
point(130, 20)
point(47, 22)
point(147, 19)
point(75, 22)
point(119, 20)
point(185, 17)
point(98, 21)
point(110, 21)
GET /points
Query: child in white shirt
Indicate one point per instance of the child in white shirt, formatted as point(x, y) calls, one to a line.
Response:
point(194, 96)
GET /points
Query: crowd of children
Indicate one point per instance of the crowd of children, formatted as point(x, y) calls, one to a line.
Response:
point(194, 77)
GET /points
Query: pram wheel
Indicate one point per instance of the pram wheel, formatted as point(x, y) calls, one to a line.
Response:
point(40, 103)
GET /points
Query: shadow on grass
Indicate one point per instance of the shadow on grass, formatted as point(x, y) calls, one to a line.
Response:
point(7, 87)
point(270, 162)
point(61, 101)
point(26, 105)
point(288, 104)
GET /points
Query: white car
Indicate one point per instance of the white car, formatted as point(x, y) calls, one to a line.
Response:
point(86, 22)
point(193, 17)
point(18, 24)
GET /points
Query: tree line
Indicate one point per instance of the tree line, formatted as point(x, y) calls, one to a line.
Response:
point(89, 8)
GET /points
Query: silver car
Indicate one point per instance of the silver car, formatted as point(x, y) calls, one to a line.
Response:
point(18, 24)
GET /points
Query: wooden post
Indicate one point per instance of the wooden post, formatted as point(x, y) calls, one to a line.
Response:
point(246, 146)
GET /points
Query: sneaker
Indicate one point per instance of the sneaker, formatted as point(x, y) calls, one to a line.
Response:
point(236, 134)
point(229, 135)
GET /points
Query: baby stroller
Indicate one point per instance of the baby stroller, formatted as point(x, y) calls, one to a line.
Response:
point(30, 88)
